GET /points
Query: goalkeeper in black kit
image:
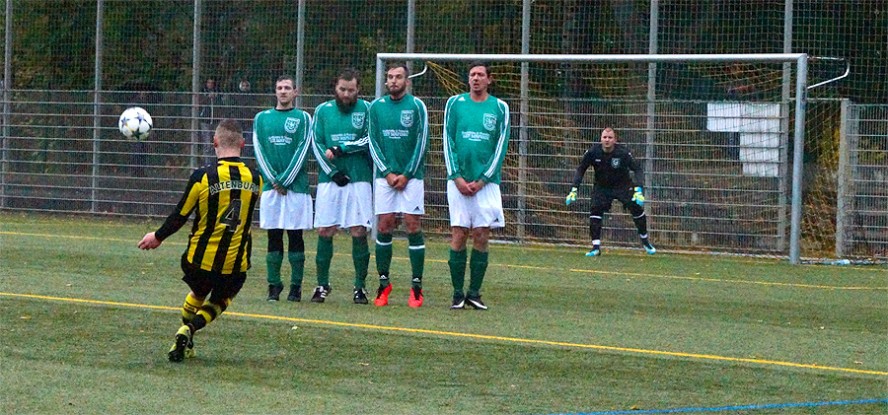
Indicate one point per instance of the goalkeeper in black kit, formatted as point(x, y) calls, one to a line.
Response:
point(612, 163)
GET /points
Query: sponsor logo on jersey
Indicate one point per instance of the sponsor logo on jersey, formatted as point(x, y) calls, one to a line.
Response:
point(489, 121)
point(291, 125)
point(615, 162)
point(358, 119)
point(407, 118)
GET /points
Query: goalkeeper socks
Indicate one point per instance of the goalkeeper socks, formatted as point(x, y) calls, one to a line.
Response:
point(478, 267)
point(190, 308)
point(297, 267)
point(273, 261)
point(641, 224)
point(383, 253)
point(323, 258)
point(361, 259)
point(457, 265)
point(416, 243)
point(595, 227)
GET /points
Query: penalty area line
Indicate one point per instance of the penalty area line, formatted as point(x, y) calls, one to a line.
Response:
point(504, 339)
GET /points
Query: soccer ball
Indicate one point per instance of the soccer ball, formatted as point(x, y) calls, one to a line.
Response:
point(135, 123)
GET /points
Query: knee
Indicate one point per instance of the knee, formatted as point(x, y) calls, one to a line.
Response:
point(413, 223)
point(358, 231)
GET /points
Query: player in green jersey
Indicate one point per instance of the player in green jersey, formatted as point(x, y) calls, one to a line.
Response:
point(344, 195)
point(476, 136)
point(399, 138)
point(281, 141)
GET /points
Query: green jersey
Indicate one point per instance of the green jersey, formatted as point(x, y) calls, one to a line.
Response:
point(281, 141)
point(476, 135)
point(348, 131)
point(399, 136)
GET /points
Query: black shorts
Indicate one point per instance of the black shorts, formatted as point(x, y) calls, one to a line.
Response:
point(603, 197)
point(202, 282)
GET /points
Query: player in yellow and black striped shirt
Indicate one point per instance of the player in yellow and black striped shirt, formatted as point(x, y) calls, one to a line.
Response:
point(223, 197)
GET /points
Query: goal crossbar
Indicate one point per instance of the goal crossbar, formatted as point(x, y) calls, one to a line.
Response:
point(800, 60)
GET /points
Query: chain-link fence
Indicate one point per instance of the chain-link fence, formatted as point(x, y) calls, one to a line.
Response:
point(72, 66)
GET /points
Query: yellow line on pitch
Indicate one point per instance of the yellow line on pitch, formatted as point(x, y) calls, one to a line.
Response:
point(474, 336)
point(585, 271)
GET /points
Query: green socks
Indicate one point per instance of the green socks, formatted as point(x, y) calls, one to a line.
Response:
point(457, 264)
point(383, 253)
point(478, 267)
point(416, 243)
point(297, 267)
point(273, 262)
point(323, 258)
point(361, 259)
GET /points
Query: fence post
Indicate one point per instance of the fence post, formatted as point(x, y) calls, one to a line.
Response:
point(97, 107)
point(7, 85)
point(300, 51)
point(843, 178)
point(195, 84)
point(523, 110)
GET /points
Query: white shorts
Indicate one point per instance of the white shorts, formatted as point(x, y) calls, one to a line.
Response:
point(346, 207)
point(483, 210)
point(410, 200)
point(290, 211)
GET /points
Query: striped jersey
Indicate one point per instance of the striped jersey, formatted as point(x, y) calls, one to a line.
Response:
point(347, 130)
point(281, 141)
point(223, 197)
point(399, 136)
point(476, 136)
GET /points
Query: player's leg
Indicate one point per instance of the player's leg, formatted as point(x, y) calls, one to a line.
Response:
point(460, 221)
point(274, 257)
point(385, 225)
point(272, 219)
point(361, 261)
point(457, 263)
point(200, 286)
point(322, 262)
point(328, 209)
point(225, 288)
point(416, 252)
point(478, 267)
point(601, 202)
point(639, 218)
point(296, 257)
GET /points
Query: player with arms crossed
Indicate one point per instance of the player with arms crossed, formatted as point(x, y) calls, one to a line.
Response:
point(217, 257)
point(399, 138)
point(281, 141)
point(476, 136)
point(344, 197)
point(612, 163)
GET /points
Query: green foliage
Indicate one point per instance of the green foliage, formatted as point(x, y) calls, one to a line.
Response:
point(88, 319)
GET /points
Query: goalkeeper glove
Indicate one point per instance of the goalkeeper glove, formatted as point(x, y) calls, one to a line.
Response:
point(638, 197)
point(340, 178)
point(571, 197)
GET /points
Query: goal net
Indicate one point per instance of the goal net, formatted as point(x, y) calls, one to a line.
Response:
point(714, 133)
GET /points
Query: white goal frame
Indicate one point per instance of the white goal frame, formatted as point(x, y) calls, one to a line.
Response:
point(801, 65)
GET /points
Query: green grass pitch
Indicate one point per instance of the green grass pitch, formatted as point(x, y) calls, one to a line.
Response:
point(87, 320)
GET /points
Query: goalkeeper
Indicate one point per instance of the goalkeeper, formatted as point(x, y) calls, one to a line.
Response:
point(612, 163)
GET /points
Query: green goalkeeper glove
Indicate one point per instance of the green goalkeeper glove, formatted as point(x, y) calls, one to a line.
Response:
point(638, 197)
point(571, 197)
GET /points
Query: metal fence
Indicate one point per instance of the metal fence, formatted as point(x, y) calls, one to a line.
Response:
point(65, 85)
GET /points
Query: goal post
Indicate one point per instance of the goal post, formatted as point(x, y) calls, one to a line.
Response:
point(796, 104)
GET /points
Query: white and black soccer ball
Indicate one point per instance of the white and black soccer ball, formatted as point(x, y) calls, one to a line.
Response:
point(135, 123)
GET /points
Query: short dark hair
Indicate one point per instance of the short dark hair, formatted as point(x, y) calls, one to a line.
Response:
point(398, 64)
point(348, 74)
point(285, 77)
point(473, 64)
